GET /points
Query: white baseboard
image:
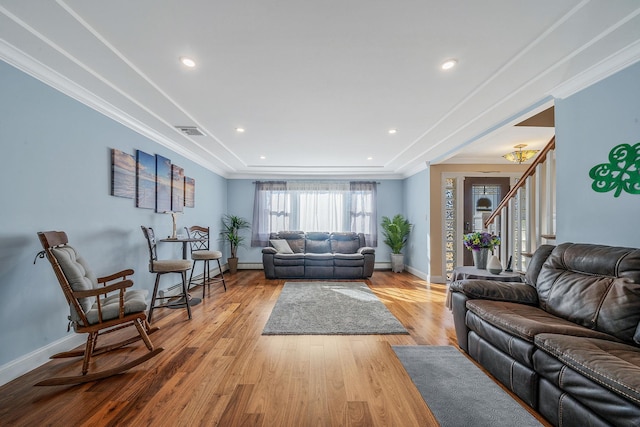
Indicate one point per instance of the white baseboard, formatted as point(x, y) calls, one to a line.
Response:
point(30, 361)
point(20, 366)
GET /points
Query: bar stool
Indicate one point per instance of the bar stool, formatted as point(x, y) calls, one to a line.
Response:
point(200, 252)
point(160, 267)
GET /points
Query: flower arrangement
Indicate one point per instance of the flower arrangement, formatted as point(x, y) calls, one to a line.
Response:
point(480, 239)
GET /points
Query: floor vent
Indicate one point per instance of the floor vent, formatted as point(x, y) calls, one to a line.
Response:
point(190, 130)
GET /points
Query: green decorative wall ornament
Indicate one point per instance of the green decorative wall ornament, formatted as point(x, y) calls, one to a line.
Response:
point(621, 173)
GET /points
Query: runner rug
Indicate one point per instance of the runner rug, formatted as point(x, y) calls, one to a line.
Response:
point(457, 391)
point(330, 308)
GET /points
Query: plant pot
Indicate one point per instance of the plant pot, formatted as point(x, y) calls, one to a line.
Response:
point(397, 263)
point(233, 265)
point(480, 258)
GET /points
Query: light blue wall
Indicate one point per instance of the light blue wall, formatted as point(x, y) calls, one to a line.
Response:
point(416, 200)
point(588, 125)
point(56, 176)
point(240, 202)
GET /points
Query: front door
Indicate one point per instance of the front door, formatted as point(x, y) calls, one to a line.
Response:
point(481, 197)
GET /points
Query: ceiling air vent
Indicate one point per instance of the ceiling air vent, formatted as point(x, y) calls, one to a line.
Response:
point(190, 130)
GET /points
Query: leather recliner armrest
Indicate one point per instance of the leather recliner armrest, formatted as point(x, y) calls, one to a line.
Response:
point(269, 250)
point(366, 250)
point(498, 291)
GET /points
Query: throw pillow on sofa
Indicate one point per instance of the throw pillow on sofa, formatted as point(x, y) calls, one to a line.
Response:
point(281, 246)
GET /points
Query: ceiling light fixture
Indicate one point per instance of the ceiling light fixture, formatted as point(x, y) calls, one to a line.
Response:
point(263, 157)
point(187, 62)
point(393, 131)
point(520, 155)
point(239, 130)
point(449, 64)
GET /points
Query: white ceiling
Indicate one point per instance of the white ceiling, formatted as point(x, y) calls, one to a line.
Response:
point(318, 84)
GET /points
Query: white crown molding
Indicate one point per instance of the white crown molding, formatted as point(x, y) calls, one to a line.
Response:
point(46, 75)
point(603, 69)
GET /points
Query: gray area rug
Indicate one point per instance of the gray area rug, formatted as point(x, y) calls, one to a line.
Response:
point(457, 391)
point(330, 308)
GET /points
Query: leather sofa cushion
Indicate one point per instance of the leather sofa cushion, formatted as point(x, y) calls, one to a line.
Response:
point(595, 286)
point(568, 398)
point(613, 365)
point(516, 348)
point(525, 321)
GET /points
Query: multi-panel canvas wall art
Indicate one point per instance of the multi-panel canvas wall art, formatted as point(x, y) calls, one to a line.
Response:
point(163, 184)
point(123, 174)
point(152, 181)
point(177, 188)
point(145, 180)
point(189, 192)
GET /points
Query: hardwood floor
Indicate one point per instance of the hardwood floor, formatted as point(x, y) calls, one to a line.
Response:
point(217, 369)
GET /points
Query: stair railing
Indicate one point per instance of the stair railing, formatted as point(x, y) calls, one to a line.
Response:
point(526, 215)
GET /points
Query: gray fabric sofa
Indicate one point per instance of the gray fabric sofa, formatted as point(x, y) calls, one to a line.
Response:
point(568, 340)
point(317, 255)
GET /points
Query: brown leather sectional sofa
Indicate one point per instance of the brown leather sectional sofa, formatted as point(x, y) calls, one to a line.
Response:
point(318, 255)
point(568, 340)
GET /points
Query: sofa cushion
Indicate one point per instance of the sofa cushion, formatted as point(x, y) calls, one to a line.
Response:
point(595, 286)
point(345, 243)
point(613, 365)
point(318, 243)
point(525, 321)
point(324, 259)
point(281, 246)
point(288, 259)
point(348, 260)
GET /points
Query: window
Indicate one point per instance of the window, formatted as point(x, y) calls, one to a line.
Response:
point(314, 206)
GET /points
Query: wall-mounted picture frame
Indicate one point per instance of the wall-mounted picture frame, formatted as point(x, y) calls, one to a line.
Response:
point(163, 184)
point(177, 188)
point(189, 192)
point(123, 174)
point(145, 180)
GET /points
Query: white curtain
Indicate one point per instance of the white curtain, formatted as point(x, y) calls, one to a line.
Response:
point(314, 206)
point(319, 205)
point(363, 212)
point(271, 208)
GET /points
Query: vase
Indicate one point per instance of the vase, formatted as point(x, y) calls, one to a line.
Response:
point(494, 265)
point(480, 258)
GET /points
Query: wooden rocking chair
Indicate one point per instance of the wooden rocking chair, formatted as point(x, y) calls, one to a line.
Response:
point(93, 310)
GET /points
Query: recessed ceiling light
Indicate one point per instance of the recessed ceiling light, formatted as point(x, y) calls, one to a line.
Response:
point(369, 158)
point(187, 62)
point(239, 130)
point(449, 64)
point(392, 131)
point(263, 157)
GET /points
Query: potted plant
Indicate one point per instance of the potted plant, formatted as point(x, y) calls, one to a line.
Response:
point(480, 243)
point(395, 232)
point(231, 226)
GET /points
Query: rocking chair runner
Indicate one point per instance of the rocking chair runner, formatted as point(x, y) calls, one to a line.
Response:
point(93, 310)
